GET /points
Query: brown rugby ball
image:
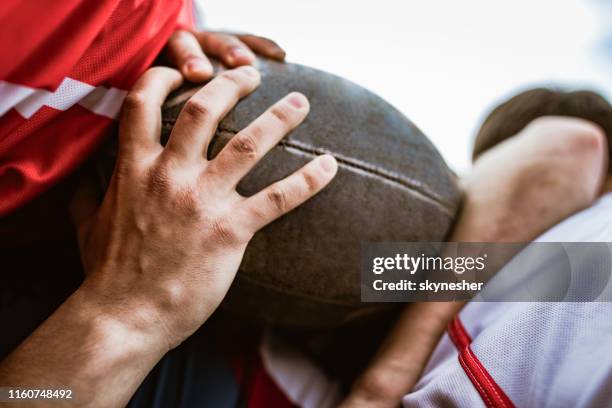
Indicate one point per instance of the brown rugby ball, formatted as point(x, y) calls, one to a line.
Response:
point(302, 271)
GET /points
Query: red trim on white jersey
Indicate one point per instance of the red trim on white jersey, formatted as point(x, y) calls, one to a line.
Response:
point(490, 392)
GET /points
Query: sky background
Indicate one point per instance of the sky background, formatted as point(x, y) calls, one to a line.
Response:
point(442, 63)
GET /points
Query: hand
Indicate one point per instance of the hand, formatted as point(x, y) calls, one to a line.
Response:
point(189, 51)
point(167, 241)
point(516, 190)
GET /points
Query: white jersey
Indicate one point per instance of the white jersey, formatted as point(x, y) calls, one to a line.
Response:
point(497, 354)
point(544, 354)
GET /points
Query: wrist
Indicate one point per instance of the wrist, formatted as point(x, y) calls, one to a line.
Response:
point(89, 348)
point(133, 322)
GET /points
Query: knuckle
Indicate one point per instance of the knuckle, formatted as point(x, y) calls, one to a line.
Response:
point(591, 138)
point(159, 180)
point(198, 110)
point(224, 232)
point(134, 101)
point(234, 77)
point(183, 198)
point(277, 197)
point(311, 181)
point(281, 112)
point(256, 213)
point(573, 136)
point(244, 144)
point(187, 202)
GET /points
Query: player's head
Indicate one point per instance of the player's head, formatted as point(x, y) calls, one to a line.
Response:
point(512, 116)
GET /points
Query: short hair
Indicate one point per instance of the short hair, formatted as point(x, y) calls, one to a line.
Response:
point(509, 118)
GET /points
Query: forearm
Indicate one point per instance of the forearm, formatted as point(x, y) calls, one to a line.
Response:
point(101, 355)
point(403, 356)
point(515, 192)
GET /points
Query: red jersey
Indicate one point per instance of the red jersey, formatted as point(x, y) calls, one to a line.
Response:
point(65, 69)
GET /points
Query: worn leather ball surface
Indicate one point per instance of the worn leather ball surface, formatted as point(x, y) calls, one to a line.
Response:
point(302, 271)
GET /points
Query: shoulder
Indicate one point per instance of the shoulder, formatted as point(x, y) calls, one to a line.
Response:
point(552, 169)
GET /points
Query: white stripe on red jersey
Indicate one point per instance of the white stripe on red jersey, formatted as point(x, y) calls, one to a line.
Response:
point(65, 69)
point(27, 101)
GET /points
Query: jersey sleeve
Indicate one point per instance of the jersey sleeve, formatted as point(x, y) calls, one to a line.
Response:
point(49, 34)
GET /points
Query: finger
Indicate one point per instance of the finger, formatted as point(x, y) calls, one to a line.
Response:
point(283, 196)
point(197, 122)
point(247, 147)
point(263, 46)
point(140, 124)
point(186, 54)
point(228, 48)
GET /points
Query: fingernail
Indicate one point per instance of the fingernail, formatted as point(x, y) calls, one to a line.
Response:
point(196, 65)
point(297, 100)
point(280, 55)
point(327, 163)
